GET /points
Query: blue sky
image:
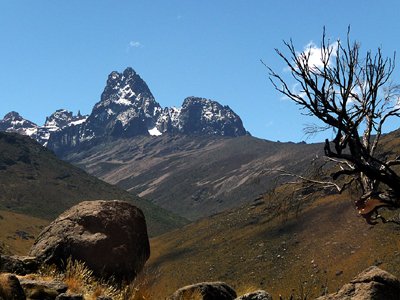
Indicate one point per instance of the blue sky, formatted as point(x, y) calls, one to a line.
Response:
point(57, 54)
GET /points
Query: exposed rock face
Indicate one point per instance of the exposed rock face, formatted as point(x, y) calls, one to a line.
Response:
point(205, 291)
point(20, 265)
point(39, 289)
point(110, 237)
point(206, 117)
point(257, 295)
point(127, 109)
point(371, 284)
point(13, 122)
point(10, 288)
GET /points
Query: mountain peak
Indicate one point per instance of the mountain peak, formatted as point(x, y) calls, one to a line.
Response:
point(125, 86)
point(127, 109)
point(62, 118)
point(14, 122)
point(129, 72)
point(204, 116)
point(11, 115)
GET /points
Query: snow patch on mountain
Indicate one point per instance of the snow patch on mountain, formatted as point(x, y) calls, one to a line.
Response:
point(154, 132)
point(13, 122)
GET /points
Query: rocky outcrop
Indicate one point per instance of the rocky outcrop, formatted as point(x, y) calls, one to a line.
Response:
point(10, 288)
point(205, 291)
point(372, 284)
point(19, 265)
point(40, 289)
point(110, 237)
point(257, 295)
point(60, 119)
point(206, 117)
point(14, 122)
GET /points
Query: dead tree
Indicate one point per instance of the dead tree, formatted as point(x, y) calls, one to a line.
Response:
point(354, 97)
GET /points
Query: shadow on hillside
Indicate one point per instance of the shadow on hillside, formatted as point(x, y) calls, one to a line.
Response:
point(175, 255)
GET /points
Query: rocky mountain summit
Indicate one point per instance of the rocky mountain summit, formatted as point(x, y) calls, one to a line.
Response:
point(201, 116)
point(127, 108)
point(14, 122)
point(60, 119)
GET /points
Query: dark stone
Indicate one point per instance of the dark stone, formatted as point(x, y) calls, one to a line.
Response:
point(207, 117)
point(110, 237)
point(373, 283)
point(20, 265)
point(206, 290)
point(10, 288)
point(39, 289)
point(69, 297)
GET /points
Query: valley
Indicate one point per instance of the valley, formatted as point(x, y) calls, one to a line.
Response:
point(194, 176)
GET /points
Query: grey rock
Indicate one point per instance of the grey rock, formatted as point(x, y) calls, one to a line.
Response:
point(39, 289)
point(208, 117)
point(110, 237)
point(20, 265)
point(256, 295)
point(10, 288)
point(206, 290)
point(65, 296)
point(371, 284)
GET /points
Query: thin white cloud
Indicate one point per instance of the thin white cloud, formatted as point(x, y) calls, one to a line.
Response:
point(316, 56)
point(135, 44)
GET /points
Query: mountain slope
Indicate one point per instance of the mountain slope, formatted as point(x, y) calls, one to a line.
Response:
point(252, 247)
point(280, 242)
point(193, 176)
point(35, 182)
point(18, 232)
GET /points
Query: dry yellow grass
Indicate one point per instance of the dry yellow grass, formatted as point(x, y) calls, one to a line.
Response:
point(192, 295)
point(318, 251)
point(18, 232)
point(5, 289)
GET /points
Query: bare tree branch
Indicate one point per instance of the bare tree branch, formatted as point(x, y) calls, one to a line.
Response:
point(354, 97)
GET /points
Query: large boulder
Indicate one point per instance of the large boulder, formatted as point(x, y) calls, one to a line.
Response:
point(42, 289)
point(20, 265)
point(110, 237)
point(205, 291)
point(10, 288)
point(371, 284)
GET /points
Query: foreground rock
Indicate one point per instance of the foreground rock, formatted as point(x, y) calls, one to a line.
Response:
point(372, 284)
point(257, 295)
point(20, 265)
point(40, 289)
point(205, 291)
point(110, 237)
point(10, 288)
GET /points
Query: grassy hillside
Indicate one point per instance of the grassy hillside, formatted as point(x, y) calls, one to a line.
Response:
point(33, 181)
point(193, 176)
point(253, 247)
point(18, 232)
point(279, 246)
